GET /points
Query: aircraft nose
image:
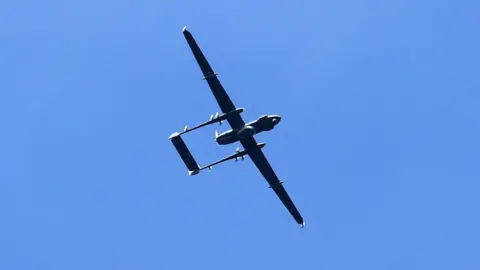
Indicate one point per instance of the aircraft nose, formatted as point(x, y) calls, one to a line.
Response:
point(276, 119)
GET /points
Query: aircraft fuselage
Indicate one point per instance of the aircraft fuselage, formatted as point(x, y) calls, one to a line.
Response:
point(264, 123)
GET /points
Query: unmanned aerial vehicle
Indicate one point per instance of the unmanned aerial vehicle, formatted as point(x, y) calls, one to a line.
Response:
point(240, 132)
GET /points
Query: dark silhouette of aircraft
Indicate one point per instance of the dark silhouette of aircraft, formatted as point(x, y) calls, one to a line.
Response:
point(240, 132)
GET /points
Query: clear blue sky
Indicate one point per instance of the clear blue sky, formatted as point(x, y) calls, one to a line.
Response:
point(378, 144)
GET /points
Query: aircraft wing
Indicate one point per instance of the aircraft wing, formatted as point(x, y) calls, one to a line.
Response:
point(223, 100)
point(264, 167)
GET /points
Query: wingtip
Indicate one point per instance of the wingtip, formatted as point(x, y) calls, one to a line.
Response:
point(302, 225)
point(184, 28)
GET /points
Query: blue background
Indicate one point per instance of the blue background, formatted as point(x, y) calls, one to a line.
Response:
point(378, 144)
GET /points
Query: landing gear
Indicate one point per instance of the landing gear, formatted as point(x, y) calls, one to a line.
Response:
point(241, 158)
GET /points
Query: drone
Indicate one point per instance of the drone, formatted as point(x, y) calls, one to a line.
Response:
point(241, 132)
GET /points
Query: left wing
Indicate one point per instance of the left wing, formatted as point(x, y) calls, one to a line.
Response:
point(257, 156)
point(223, 100)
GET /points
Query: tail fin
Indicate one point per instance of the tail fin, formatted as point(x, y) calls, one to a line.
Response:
point(216, 133)
point(185, 154)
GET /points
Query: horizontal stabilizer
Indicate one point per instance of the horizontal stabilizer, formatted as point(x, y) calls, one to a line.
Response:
point(185, 154)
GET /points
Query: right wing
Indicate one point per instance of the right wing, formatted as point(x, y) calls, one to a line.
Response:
point(257, 156)
point(223, 100)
